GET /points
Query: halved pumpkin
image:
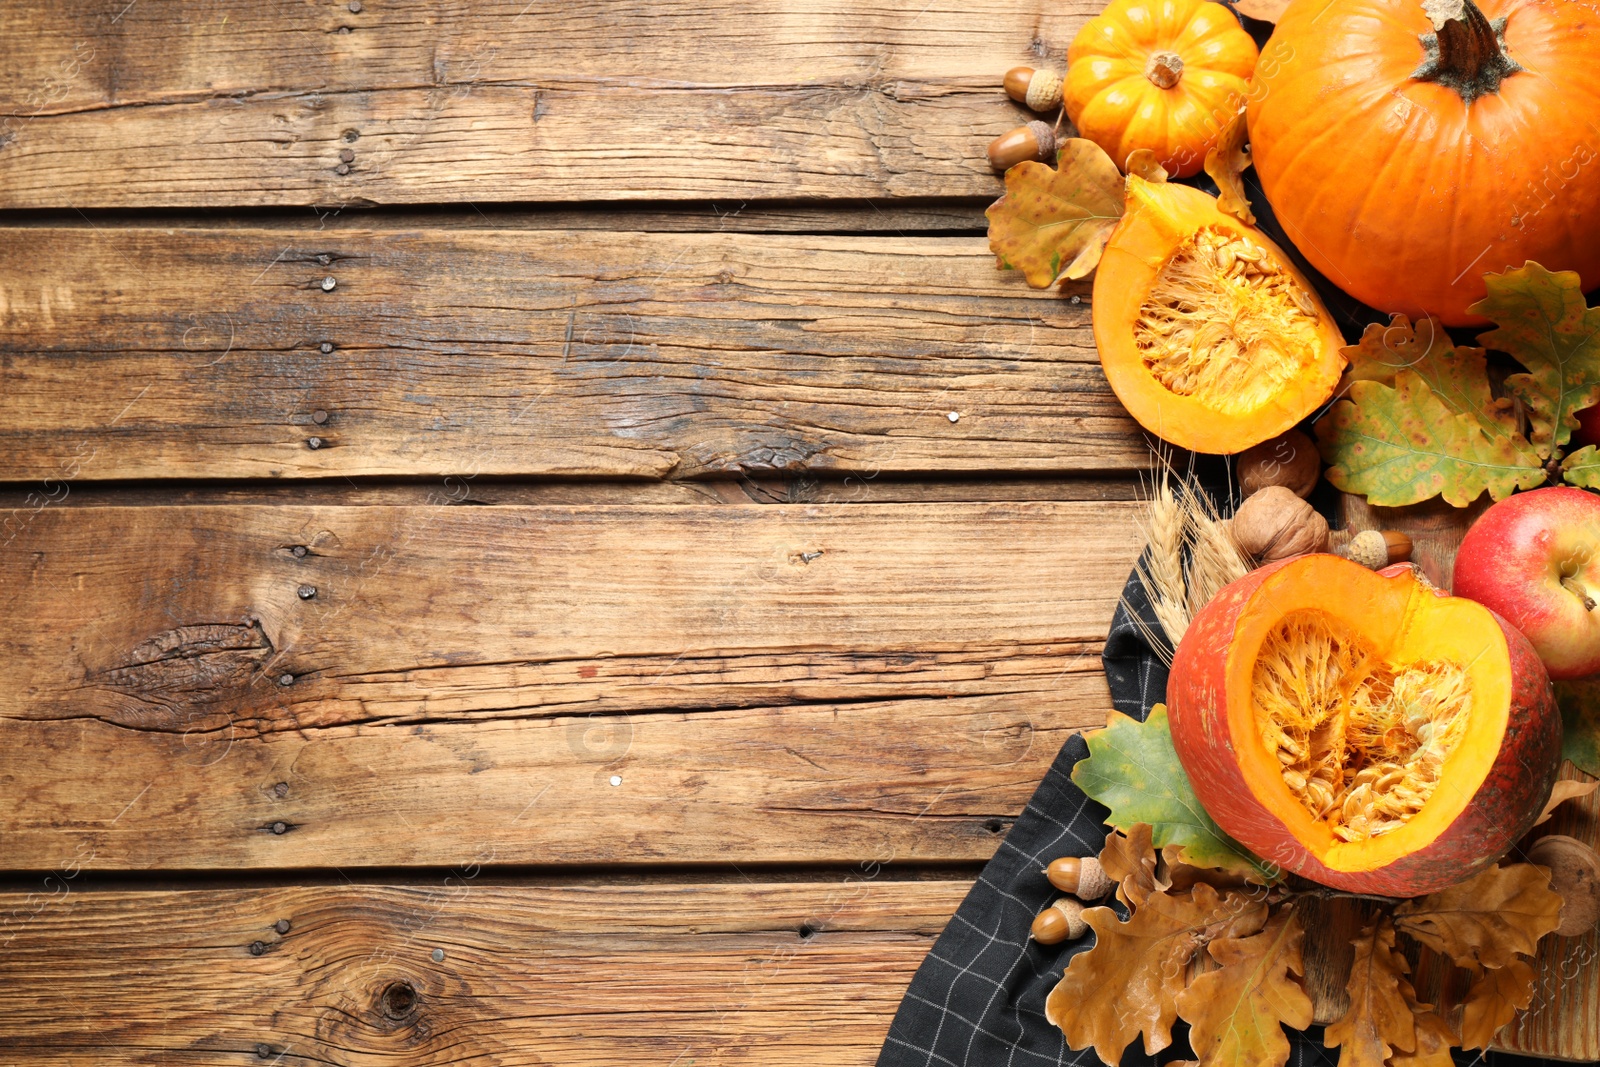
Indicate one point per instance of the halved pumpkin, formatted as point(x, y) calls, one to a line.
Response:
point(1363, 729)
point(1209, 335)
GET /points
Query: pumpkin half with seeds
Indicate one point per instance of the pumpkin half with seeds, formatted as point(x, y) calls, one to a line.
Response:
point(1208, 334)
point(1362, 729)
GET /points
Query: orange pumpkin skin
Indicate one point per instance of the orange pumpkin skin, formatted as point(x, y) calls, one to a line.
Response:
point(1158, 218)
point(1488, 800)
point(1398, 190)
point(1118, 62)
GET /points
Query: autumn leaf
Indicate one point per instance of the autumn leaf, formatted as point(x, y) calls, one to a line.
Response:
point(1582, 468)
point(1580, 723)
point(1052, 224)
point(1133, 769)
point(1419, 421)
point(1130, 861)
point(1434, 1038)
point(1180, 875)
point(1143, 163)
point(1493, 1000)
point(1237, 1013)
point(1226, 162)
point(1128, 983)
point(1543, 322)
point(1379, 1017)
point(1564, 790)
point(1488, 919)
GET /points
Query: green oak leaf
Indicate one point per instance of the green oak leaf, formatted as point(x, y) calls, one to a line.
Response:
point(1052, 224)
point(1580, 723)
point(1582, 468)
point(1542, 320)
point(1133, 769)
point(1406, 443)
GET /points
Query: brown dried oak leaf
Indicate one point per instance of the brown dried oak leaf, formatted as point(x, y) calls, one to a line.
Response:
point(1237, 1013)
point(1265, 10)
point(1130, 861)
point(1128, 983)
point(1434, 1038)
point(1053, 223)
point(1489, 919)
point(1380, 1017)
point(1226, 162)
point(1493, 1000)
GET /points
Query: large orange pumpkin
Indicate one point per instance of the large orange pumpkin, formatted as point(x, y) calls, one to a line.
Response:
point(1166, 75)
point(1406, 161)
point(1363, 729)
point(1207, 333)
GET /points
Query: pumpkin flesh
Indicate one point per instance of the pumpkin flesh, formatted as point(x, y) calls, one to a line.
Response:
point(1208, 334)
point(1371, 734)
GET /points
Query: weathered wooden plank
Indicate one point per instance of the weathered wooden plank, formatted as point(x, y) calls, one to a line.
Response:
point(948, 216)
point(17, 501)
point(153, 353)
point(893, 679)
point(777, 975)
point(201, 103)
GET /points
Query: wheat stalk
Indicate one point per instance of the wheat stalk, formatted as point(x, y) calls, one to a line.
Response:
point(1191, 556)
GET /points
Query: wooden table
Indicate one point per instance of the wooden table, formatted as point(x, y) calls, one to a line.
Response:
point(533, 532)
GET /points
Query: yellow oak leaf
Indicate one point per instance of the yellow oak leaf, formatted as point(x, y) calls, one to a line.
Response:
point(1564, 790)
point(1489, 919)
point(1379, 1018)
point(1180, 875)
point(1237, 1013)
point(1494, 998)
point(1054, 222)
point(1130, 861)
point(1128, 983)
point(1226, 162)
point(1143, 162)
point(1434, 1038)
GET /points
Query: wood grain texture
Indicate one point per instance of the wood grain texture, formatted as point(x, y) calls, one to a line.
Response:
point(202, 103)
point(156, 353)
point(773, 975)
point(771, 683)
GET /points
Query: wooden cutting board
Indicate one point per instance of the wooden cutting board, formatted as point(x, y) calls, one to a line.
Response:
point(1563, 1022)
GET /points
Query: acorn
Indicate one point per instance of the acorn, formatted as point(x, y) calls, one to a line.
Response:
point(1039, 90)
point(1036, 141)
point(1083, 877)
point(1376, 549)
point(1061, 921)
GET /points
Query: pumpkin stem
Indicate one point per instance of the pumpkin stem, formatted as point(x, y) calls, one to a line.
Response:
point(1466, 52)
point(1164, 68)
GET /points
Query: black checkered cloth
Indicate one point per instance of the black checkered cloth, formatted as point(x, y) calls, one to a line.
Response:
point(978, 999)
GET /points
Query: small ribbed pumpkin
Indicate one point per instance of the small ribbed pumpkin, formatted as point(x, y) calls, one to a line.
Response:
point(1166, 75)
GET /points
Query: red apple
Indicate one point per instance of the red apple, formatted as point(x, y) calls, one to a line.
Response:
point(1535, 559)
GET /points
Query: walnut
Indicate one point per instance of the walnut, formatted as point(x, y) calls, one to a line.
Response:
point(1273, 523)
point(1289, 460)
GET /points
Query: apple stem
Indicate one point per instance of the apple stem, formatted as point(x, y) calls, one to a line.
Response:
point(1573, 586)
